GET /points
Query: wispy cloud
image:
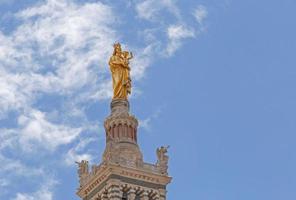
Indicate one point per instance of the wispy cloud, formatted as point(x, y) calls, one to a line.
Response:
point(200, 14)
point(153, 9)
point(43, 193)
point(72, 156)
point(177, 33)
point(56, 56)
point(78, 152)
point(58, 49)
point(35, 128)
point(14, 169)
point(160, 14)
point(146, 123)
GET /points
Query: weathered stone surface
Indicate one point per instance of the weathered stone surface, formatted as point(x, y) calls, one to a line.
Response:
point(123, 170)
point(121, 136)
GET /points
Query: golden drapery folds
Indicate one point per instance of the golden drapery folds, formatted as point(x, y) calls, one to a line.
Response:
point(120, 70)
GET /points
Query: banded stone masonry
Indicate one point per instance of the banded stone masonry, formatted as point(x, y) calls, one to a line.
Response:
point(122, 174)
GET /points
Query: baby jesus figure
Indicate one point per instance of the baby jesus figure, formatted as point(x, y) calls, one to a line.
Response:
point(127, 56)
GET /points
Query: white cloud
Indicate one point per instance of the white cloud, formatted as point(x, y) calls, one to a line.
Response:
point(142, 61)
point(151, 9)
point(77, 153)
point(11, 97)
point(155, 12)
point(76, 36)
point(146, 123)
point(72, 157)
point(12, 169)
point(70, 42)
point(43, 193)
point(35, 128)
point(36, 132)
point(200, 13)
point(16, 167)
point(177, 33)
point(60, 48)
point(103, 92)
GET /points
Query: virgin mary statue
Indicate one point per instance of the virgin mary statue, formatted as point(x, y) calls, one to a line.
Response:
point(119, 66)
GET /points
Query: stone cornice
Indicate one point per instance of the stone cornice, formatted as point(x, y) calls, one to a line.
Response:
point(105, 172)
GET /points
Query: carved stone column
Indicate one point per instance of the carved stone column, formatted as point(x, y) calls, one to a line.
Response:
point(114, 192)
point(162, 194)
point(131, 194)
point(144, 195)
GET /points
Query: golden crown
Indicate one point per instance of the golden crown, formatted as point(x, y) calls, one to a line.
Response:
point(116, 45)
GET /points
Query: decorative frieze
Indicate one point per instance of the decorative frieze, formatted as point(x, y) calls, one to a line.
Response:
point(139, 176)
point(95, 183)
point(120, 125)
point(119, 120)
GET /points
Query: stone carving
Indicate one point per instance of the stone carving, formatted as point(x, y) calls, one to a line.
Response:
point(161, 154)
point(83, 171)
point(82, 167)
point(111, 153)
point(162, 159)
point(131, 192)
point(94, 169)
point(115, 121)
point(122, 154)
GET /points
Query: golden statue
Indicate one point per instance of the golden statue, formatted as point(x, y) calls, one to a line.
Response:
point(120, 70)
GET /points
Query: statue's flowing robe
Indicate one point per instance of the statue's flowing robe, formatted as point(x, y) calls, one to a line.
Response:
point(120, 77)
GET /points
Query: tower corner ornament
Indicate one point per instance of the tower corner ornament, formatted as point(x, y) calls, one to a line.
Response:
point(122, 173)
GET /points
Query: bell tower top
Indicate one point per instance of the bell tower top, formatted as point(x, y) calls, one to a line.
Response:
point(123, 174)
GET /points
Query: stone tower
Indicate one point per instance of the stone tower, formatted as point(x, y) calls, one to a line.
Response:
point(122, 174)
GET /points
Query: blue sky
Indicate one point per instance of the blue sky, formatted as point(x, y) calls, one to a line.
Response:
point(213, 79)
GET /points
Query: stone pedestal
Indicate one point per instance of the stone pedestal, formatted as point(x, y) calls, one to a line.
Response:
point(121, 136)
point(123, 171)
